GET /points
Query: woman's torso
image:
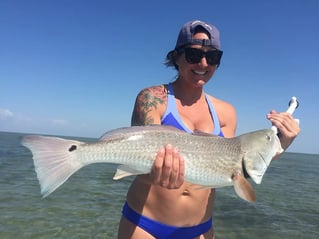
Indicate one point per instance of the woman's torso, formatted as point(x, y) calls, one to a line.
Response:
point(174, 208)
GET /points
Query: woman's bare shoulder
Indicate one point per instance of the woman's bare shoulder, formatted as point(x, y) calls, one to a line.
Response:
point(158, 91)
point(227, 116)
point(222, 106)
point(149, 105)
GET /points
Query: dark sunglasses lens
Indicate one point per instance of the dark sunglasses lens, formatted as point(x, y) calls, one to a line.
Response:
point(213, 57)
point(193, 55)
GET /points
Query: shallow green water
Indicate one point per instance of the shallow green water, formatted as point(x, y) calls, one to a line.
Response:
point(89, 204)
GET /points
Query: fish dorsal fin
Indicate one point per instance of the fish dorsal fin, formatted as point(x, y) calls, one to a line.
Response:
point(243, 188)
point(125, 171)
point(113, 134)
point(124, 132)
point(201, 133)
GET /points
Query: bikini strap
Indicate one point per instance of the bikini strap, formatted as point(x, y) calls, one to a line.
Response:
point(170, 106)
point(217, 129)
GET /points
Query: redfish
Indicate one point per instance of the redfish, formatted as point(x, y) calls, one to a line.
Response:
point(210, 161)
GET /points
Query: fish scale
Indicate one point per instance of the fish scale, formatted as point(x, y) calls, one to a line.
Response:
point(197, 155)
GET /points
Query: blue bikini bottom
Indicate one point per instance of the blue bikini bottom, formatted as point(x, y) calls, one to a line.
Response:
point(163, 231)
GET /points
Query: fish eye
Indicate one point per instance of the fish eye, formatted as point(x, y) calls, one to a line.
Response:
point(268, 137)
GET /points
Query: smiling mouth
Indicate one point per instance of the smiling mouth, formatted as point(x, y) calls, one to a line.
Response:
point(201, 73)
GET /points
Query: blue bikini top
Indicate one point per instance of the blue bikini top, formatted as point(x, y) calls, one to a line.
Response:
point(172, 117)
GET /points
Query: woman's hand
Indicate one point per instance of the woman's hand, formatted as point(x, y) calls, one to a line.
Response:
point(287, 126)
point(168, 169)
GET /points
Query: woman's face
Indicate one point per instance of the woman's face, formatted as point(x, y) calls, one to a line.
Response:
point(199, 73)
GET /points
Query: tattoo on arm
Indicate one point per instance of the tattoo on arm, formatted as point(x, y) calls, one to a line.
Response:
point(147, 101)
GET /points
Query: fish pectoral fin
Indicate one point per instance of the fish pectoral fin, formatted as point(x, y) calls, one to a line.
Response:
point(123, 171)
point(243, 188)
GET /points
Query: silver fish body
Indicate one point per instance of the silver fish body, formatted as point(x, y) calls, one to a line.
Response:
point(210, 161)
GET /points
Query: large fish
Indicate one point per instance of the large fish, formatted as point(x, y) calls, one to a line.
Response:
point(210, 161)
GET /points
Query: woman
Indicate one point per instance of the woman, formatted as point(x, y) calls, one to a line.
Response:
point(162, 204)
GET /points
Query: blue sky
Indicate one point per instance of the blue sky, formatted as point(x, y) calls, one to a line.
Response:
point(74, 67)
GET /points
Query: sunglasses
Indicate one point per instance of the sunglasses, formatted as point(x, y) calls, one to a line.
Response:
point(195, 55)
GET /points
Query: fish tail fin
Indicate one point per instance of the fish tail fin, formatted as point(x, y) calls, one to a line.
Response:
point(55, 160)
point(243, 188)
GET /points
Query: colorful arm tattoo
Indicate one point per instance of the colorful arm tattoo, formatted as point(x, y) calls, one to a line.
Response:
point(147, 101)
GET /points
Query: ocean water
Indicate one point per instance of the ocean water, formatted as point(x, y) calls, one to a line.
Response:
point(89, 204)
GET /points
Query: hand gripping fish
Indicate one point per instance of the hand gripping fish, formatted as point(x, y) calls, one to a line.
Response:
point(210, 161)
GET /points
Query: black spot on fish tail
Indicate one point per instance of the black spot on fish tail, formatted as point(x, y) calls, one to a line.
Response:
point(72, 148)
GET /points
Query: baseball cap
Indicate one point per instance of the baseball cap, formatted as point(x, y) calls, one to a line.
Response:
point(187, 32)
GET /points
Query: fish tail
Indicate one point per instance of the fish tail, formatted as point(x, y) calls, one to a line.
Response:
point(55, 160)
